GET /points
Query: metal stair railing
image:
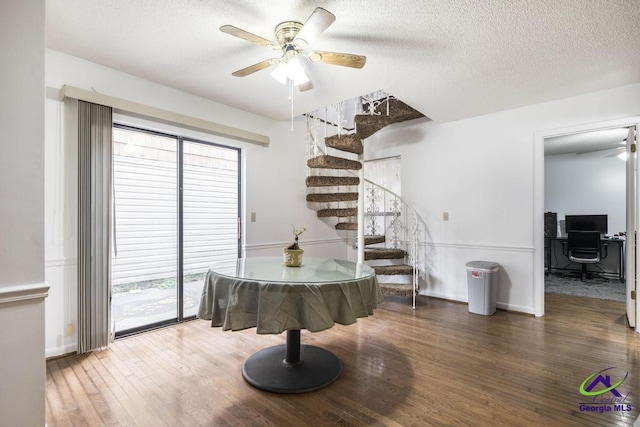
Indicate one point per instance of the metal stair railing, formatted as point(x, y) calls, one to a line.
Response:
point(398, 220)
point(389, 215)
point(319, 126)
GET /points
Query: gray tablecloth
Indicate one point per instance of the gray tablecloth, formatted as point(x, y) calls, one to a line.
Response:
point(273, 308)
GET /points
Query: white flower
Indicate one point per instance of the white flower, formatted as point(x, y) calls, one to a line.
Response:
point(298, 230)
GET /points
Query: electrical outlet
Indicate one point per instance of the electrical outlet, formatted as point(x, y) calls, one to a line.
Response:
point(253, 217)
point(445, 216)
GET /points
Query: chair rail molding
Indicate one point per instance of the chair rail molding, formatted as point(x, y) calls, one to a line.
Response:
point(25, 292)
point(478, 246)
point(60, 262)
point(282, 245)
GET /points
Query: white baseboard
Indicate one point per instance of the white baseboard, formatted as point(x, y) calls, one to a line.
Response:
point(514, 307)
point(500, 305)
point(61, 350)
point(449, 297)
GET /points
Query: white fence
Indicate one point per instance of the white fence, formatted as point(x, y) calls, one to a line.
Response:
point(146, 218)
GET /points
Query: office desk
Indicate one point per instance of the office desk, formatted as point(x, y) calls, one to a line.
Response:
point(611, 266)
point(265, 294)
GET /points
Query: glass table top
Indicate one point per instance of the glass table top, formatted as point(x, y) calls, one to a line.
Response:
point(312, 270)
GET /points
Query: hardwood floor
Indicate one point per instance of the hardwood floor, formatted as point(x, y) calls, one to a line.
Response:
point(438, 365)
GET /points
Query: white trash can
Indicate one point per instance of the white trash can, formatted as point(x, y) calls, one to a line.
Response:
point(482, 283)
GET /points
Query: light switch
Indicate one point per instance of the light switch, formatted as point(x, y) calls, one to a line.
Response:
point(253, 217)
point(445, 216)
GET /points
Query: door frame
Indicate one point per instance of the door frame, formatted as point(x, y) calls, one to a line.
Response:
point(180, 141)
point(538, 199)
point(632, 223)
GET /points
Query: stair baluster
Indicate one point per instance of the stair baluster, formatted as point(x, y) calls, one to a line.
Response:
point(335, 181)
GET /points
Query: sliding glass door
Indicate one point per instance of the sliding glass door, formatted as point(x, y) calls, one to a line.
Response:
point(176, 209)
point(210, 231)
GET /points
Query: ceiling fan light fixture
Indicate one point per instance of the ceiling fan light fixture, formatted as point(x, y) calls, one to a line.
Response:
point(290, 70)
point(315, 56)
point(293, 38)
point(300, 43)
point(280, 73)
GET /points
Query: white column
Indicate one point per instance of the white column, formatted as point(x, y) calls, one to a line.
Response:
point(361, 211)
point(22, 287)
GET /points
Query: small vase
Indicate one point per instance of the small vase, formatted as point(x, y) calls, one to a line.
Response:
point(293, 257)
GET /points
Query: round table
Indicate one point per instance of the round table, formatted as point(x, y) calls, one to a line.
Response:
point(263, 293)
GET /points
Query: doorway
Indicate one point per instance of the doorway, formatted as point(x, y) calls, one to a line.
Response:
point(385, 172)
point(176, 205)
point(585, 183)
point(539, 205)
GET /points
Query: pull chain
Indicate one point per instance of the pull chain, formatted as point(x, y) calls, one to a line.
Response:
point(290, 83)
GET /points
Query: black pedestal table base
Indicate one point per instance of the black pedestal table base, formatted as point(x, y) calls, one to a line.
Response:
point(292, 368)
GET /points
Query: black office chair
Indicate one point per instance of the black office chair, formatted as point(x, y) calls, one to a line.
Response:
point(585, 247)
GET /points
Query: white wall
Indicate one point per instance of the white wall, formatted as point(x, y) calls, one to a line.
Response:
point(585, 184)
point(273, 178)
point(22, 287)
point(482, 171)
point(21, 127)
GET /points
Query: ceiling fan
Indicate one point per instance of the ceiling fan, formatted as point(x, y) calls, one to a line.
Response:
point(293, 38)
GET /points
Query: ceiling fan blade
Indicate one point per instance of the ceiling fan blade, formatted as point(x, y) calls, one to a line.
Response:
point(245, 35)
point(587, 150)
point(255, 67)
point(337, 58)
point(616, 153)
point(318, 21)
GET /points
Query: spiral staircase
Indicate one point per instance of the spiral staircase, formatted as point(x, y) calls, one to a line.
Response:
point(392, 245)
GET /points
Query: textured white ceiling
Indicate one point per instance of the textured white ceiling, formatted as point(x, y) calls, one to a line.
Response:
point(611, 141)
point(450, 59)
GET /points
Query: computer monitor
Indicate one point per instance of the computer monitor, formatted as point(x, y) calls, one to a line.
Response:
point(586, 223)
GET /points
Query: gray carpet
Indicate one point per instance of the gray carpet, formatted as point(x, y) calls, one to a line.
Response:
point(600, 288)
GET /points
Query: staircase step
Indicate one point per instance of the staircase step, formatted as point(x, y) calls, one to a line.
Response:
point(331, 181)
point(372, 240)
point(367, 125)
point(350, 143)
point(341, 212)
point(397, 289)
point(333, 162)
point(383, 253)
point(332, 197)
point(399, 111)
point(393, 269)
point(346, 226)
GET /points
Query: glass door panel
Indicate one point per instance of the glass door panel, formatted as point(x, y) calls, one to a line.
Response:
point(210, 201)
point(145, 241)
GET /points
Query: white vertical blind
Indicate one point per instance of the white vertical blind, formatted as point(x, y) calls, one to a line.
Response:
point(94, 221)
